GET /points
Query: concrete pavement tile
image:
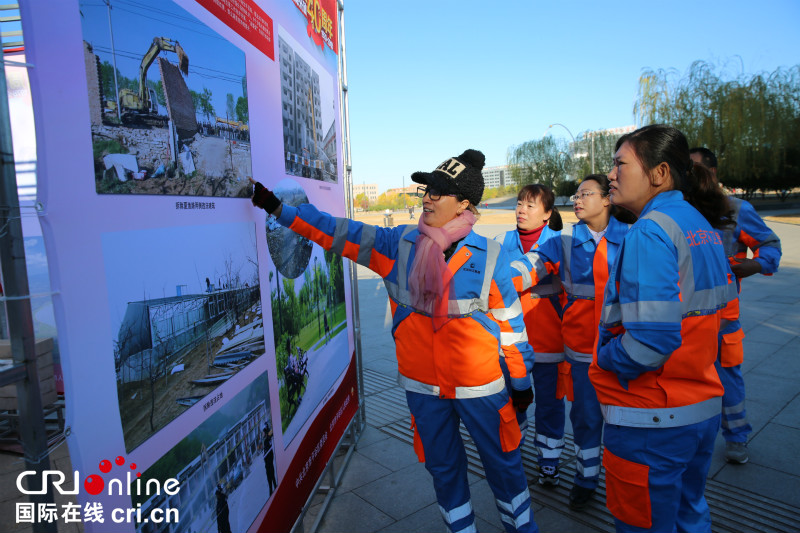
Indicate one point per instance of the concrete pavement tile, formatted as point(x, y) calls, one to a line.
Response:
point(756, 352)
point(784, 362)
point(394, 454)
point(348, 513)
point(777, 446)
point(790, 415)
point(370, 435)
point(426, 520)
point(360, 471)
point(773, 391)
point(550, 521)
point(771, 334)
point(400, 493)
point(387, 367)
point(763, 481)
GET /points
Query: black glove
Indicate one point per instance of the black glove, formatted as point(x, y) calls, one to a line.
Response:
point(522, 399)
point(265, 198)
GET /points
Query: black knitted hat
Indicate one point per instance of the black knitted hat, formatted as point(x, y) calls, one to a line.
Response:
point(458, 175)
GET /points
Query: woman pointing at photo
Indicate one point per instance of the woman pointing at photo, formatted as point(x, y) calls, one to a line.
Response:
point(455, 312)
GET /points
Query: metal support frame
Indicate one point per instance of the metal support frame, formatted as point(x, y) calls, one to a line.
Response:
point(33, 434)
point(334, 470)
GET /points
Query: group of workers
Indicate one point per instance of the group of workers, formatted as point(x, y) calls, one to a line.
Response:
point(635, 322)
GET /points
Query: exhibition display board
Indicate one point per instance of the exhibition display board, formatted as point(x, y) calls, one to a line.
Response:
point(207, 352)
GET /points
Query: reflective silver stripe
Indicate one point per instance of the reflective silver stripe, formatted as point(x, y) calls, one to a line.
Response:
point(518, 500)
point(403, 253)
point(366, 244)
point(550, 289)
point(588, 471)
point(654, 311)
point(685, 264)
point(731, 424)
point(507, 313)
point(549, 442)
point(538, 265)
point(575, 356)
point(589, 453)
point(566, 259)
point(462, 393)
point(519, 266)
point(642, 354)
point(493, 249)
point(612, 314)
point(467, 306)
point(545, 357)
point(517, 522)
point(507, 338)
point(547, 453)
point(664, 417)
point(453, 515)
point(733, 409)
point(339, 235)
point(580, 290)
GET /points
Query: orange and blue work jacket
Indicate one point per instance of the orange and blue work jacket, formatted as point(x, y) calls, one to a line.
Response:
point(666, 295)
point(460, 359)
point(541, 301)
point(749, 232)
point(583, 268)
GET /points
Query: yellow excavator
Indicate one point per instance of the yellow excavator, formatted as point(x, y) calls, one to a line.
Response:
point(135, 104)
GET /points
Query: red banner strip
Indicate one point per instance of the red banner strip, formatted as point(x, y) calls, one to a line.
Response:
point(247, 19)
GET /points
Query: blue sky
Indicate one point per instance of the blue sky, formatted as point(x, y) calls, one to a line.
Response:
point(214, 63)
point(430, 78)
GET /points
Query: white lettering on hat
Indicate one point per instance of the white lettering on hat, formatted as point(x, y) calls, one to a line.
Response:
point(452, 167)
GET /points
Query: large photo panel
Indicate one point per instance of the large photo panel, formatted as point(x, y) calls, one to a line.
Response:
point(309, 317)
point(168, 103)
point(185, 312)
point(225, 467)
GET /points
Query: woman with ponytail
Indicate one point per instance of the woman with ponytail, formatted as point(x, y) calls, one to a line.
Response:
point(580, 259)
point(653, 366)
point(538, 221)
point(454, 310)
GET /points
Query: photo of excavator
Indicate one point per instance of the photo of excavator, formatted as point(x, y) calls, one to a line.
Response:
point(142, 105)
point(159, 126)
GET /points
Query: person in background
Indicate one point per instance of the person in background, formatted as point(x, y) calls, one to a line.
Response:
point(653, 367)
point(747, 231)
point(581, 259)
point(454, 309)
point(538, 221)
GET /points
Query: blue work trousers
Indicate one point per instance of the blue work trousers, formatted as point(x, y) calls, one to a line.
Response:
point(735, 427)
point(587, 425)
point(437, 425)
point(656, 477)
point(548, 414)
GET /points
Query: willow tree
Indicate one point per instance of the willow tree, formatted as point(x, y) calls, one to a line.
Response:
point(544, 161)
point(751, 122)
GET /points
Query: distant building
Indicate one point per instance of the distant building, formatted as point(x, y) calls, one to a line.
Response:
point(302, 114)
point(411, 190)
point(370, 189)
point(620, 131)
point(494, 177)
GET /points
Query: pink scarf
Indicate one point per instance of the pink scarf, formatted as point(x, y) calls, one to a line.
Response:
point(429, 280)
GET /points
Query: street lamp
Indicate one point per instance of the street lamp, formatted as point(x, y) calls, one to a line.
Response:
point(563, 126)
point(591, 133)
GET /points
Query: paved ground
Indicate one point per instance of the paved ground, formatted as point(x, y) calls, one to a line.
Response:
point(385, 489)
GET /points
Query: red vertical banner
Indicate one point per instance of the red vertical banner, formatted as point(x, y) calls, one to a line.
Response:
point(247, 19)
point(321, 16)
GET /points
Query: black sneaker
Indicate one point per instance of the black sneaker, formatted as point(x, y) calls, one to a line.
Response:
point(579, 497)
point(548, 477)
